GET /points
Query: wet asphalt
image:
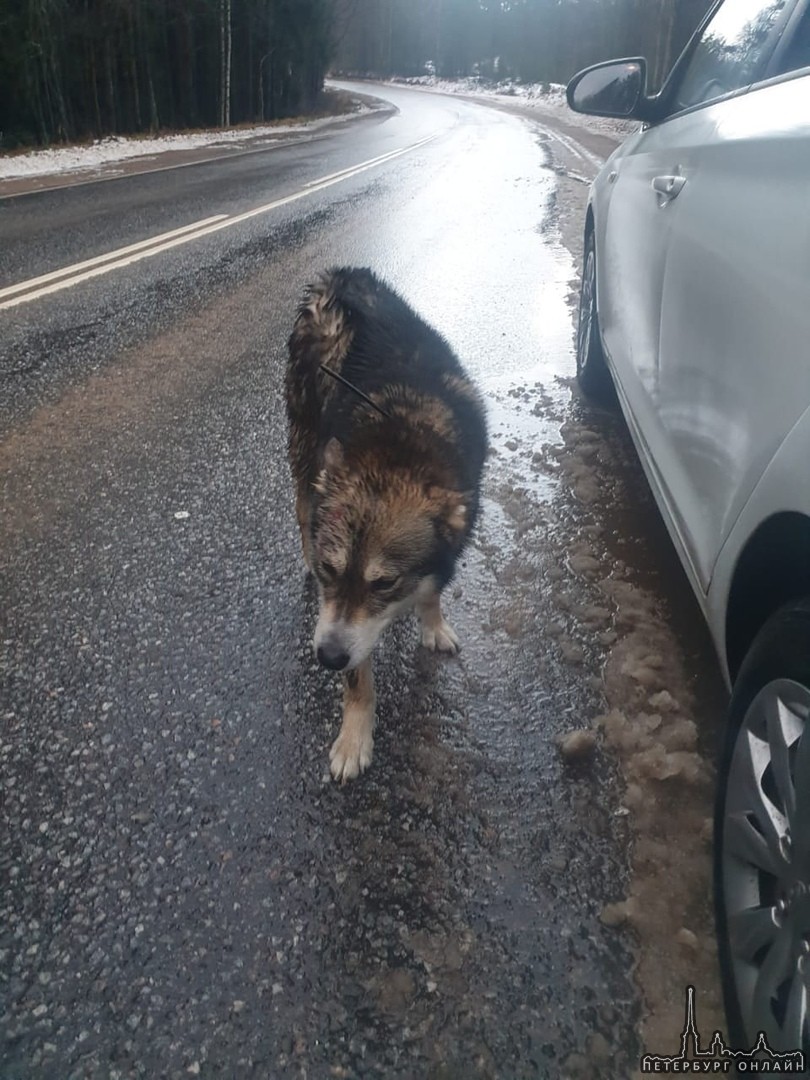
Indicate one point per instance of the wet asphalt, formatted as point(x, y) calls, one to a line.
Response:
point(183, 889)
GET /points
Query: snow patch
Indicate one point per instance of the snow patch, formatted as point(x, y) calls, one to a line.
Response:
point(542, 97)
point(577, 746)
point(117, 148)
point(547, 92)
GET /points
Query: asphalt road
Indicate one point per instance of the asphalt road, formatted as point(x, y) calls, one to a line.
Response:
point(183, 889)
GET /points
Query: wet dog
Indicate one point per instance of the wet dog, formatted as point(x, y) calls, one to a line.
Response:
point(387, 441)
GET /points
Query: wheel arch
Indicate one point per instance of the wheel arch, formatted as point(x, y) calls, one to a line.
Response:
point(772, 570)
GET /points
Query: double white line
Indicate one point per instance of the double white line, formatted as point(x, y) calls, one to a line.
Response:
point(33, 289)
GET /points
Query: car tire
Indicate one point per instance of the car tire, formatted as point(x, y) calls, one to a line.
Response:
point(593, 375)
point(762, 839)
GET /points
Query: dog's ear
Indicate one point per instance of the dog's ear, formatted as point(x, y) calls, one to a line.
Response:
point(333, 456)
point(452, 511)
point(332, 464)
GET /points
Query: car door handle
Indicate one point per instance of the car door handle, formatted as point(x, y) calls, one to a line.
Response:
point(668, 188)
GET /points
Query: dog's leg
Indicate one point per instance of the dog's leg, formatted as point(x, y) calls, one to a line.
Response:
point(351, 751)
point(437, 635)
point(302, 513)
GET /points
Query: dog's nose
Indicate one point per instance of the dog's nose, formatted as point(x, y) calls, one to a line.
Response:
point(333, 656)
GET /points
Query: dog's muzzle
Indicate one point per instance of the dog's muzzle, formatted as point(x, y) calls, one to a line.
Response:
point(332, 655)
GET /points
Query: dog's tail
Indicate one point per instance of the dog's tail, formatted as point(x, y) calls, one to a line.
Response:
point(328, 315)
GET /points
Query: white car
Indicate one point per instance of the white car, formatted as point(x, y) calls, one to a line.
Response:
point(695, 304)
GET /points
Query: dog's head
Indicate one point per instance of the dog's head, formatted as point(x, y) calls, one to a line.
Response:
point(381, 543)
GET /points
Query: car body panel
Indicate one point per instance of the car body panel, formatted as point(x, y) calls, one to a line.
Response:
point(735, 301)
point(784, 487)
point(631, 256)
point(696, 298)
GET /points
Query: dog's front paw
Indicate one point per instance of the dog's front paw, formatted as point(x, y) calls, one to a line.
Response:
point(440, 638)
point(350, 754)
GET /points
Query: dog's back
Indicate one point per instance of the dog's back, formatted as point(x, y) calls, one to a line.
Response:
point(358, 328)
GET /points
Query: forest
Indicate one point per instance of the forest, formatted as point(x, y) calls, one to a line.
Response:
point(73, 70)
point(525, 40)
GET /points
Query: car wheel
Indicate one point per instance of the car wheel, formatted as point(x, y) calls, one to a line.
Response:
point(762, 839)
point(592, 370)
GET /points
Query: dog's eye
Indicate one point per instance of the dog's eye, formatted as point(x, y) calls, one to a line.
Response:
point(385, 584)
point(328, 571)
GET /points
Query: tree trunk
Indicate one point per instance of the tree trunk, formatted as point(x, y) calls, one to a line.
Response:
point(134, 39)
point(92, 72)
point(222, 63)
point(228, 54)
point(154, 116)
point(191, 109)
point(96, 103)
point(225, 62)
point(110, 80)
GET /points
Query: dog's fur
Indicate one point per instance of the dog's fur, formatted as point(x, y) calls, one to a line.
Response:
point(387, 489)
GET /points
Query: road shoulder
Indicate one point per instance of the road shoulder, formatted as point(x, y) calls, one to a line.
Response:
point(158, 156)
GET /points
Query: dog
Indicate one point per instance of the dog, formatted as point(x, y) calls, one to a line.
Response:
point(387, 441)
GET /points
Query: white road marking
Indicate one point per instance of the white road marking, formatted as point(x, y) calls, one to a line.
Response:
point(24, 291)
point(575, 148)
point(22, 286)
point(367, 164)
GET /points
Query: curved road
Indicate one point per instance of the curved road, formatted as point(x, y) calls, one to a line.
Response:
point(184, 890)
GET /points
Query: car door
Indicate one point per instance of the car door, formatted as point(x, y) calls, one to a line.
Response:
point(661, 230)
point(732, 374)
point(631, 244)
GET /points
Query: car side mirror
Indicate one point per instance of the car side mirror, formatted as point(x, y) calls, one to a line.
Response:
point(617, 88)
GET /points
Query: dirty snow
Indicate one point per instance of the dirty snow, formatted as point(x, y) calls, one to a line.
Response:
point(608, 621)
point(650, 725)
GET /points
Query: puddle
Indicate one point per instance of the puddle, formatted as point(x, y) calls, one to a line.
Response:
point(450, 253)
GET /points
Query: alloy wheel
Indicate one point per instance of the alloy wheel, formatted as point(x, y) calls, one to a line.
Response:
point(765, 865)
point(587, 301)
